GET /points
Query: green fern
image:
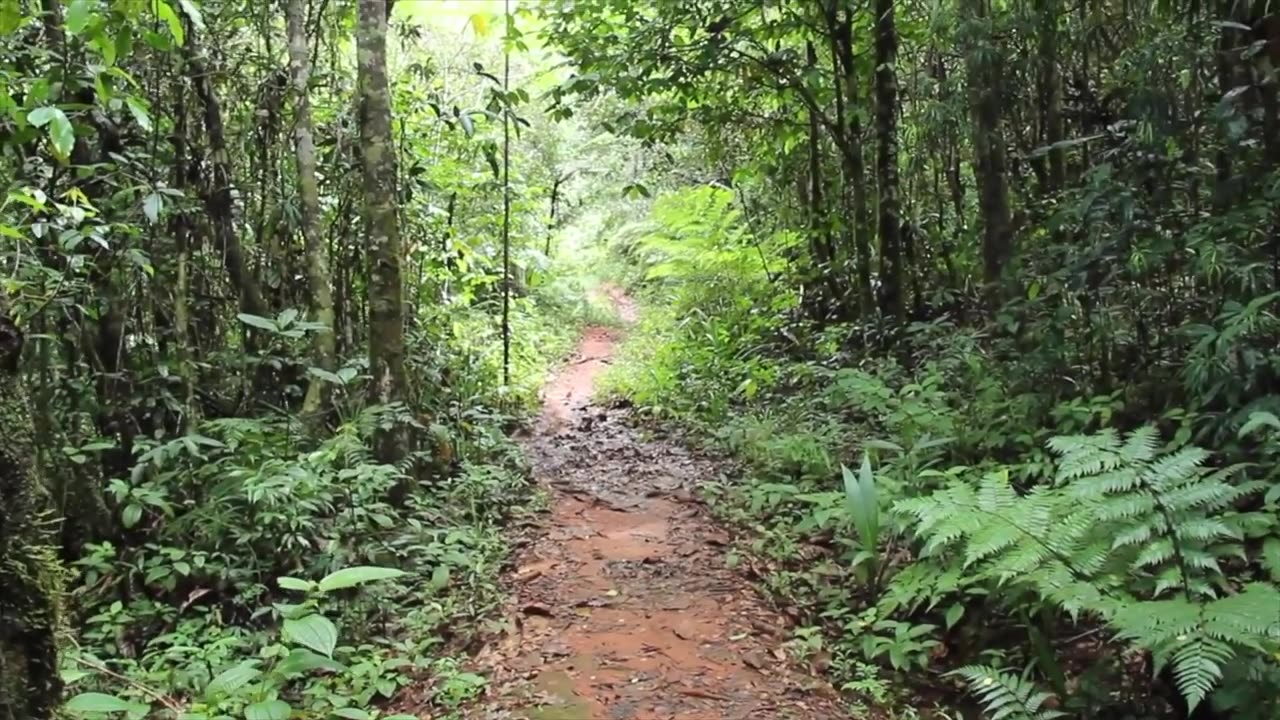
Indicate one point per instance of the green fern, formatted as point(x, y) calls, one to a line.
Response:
point(1128, 535)
point(1006, 696)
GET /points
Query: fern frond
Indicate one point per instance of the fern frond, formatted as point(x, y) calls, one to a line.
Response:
point(1006, 696)
point(1176, 469)
point(1141, 445)
point(1197, 667)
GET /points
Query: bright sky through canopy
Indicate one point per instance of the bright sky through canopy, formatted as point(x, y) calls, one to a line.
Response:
point(453, 14)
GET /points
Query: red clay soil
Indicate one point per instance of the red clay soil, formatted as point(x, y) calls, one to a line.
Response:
point(623, 606)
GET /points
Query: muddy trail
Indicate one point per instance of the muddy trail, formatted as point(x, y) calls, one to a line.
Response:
point(623, 607)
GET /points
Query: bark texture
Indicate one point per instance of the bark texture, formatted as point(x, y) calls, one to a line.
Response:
point(989, 161)
point(29, 604)
point(382, 229)
point(219, 200)
point(890, 222)
point(324, 344)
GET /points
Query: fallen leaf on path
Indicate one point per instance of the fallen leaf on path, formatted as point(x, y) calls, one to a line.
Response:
point(526, 574)
point(706, 694)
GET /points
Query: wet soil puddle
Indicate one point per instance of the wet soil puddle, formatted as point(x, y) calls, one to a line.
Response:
point(623, 607)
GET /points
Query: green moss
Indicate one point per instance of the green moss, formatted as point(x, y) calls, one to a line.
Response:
point(30, 604)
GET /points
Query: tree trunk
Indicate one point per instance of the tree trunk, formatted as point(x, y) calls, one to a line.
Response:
point(891, 271)
point(324, 344)
point(855, 170)
point(989, 161)
point(386, 307)
point(29, 605)
point(219, 200)
point(1228, 78)
point(180, 227)
point(1051, 94)
point(822, 250)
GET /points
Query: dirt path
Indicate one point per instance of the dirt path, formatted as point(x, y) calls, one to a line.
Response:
point(623, 606)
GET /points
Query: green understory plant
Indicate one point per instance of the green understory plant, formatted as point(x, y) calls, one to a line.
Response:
point(1127, 536)
point(295, 671)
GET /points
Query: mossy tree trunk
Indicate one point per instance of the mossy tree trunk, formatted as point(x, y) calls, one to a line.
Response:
point(324, 346)
point(29, 683)
point(382, 228)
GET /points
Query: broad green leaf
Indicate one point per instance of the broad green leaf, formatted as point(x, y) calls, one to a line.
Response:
point(165, 12)
point(42, 116)
point(152, 206)
point(268, 710)
point(72, 675)
point(300, 660)
point(1258, 420)
point(132, 514)
point(884, 445)
point(314, 631)
point(353, 576)
point(325, 375)
point(352, 713)
point(62, 134)
point(94, 702)
point(258, 321)
point(292, 583)
point(232, 679)
point(78, 16)
point(193, 13)
point(139, 110)
point(440, 577)
point(11, 16)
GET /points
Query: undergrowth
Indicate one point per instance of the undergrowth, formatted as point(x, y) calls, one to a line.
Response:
point(946, 515)
point(265, 573)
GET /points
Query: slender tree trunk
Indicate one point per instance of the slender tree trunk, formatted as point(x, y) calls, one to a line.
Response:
point(1051, 93)
point(855, 170)
point(30, 686)
point(323, 349)
point(386, 306)
point(1228, 78)
point(180, 227)
point(551, 217)
point(892, 303)
point(823, 255)
point(989, 160)
point(219, 199)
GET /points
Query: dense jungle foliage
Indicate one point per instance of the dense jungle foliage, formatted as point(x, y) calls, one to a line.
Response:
point(979, 296)
point(252, 335)
point(984, 296)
